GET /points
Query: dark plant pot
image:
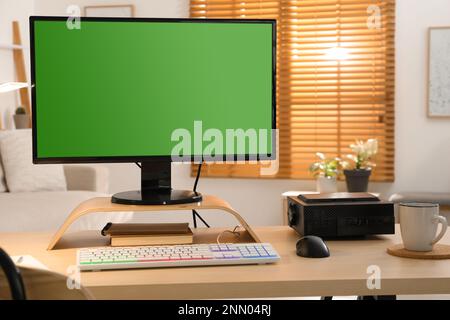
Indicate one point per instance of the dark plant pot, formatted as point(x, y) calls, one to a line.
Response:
point(22, 121)
point(357, 180)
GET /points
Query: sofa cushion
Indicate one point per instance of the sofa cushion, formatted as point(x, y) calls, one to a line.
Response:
point(21, 174)
point(46, 211)
point(442, 198)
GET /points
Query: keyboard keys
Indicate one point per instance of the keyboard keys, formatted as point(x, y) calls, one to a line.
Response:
point(175, 256)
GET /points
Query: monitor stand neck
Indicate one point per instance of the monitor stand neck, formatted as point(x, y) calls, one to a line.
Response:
point(156, 188)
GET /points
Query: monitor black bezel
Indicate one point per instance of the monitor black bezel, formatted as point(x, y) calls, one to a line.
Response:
point(124, 159)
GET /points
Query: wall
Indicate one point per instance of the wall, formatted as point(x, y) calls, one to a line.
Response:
point(422, 151)
point(143, 8)
point(8, 13)
point(423, 144)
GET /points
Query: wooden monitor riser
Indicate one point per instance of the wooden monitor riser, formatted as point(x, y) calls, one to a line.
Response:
point(104, 205)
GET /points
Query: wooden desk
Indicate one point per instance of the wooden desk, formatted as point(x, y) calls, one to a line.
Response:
point(344, 273)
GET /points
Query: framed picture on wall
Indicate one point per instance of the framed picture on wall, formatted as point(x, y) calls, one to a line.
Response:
point(125, 11)
point(439, 72)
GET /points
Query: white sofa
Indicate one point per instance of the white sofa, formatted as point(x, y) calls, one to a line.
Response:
point(46, 211)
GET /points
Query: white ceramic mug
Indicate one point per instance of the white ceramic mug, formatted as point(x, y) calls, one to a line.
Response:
point(419, 224)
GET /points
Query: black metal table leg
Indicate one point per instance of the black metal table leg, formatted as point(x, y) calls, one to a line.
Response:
point(371, 298)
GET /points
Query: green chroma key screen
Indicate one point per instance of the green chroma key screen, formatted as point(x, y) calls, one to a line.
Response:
point(121, 88)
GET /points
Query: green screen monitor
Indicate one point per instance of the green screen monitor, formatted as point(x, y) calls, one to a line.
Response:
point(152, 91)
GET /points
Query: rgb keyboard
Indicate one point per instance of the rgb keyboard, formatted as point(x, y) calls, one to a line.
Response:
point(107, 258)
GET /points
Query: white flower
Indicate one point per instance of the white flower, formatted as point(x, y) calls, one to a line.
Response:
point(371, 147)
point(352, 157)
point(358, 147)
point(364, 152)
point(320, 155)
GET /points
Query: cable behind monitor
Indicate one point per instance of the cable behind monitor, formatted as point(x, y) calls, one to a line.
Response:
point(195, 214)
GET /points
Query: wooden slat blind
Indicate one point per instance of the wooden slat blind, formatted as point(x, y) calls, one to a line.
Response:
point(324, 102)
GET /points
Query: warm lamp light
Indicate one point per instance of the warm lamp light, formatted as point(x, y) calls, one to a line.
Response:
point(337, 53)
point(12, 86)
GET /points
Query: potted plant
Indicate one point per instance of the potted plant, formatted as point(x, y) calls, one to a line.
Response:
point(359, 169)
point(326, 171)
point(21, 118)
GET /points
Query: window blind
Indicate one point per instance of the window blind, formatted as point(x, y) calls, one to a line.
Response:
point(335, 79)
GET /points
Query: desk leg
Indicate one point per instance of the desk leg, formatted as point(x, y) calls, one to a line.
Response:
point(366, 298)
point(372, 298)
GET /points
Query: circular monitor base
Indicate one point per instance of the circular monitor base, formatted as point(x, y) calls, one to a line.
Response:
point(156, 198)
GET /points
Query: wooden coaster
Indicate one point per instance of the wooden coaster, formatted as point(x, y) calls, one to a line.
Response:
point(440, 251)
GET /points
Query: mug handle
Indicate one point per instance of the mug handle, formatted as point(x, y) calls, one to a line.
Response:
point(443, 222)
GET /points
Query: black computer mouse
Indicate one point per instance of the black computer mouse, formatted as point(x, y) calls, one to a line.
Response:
point(312, 247)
